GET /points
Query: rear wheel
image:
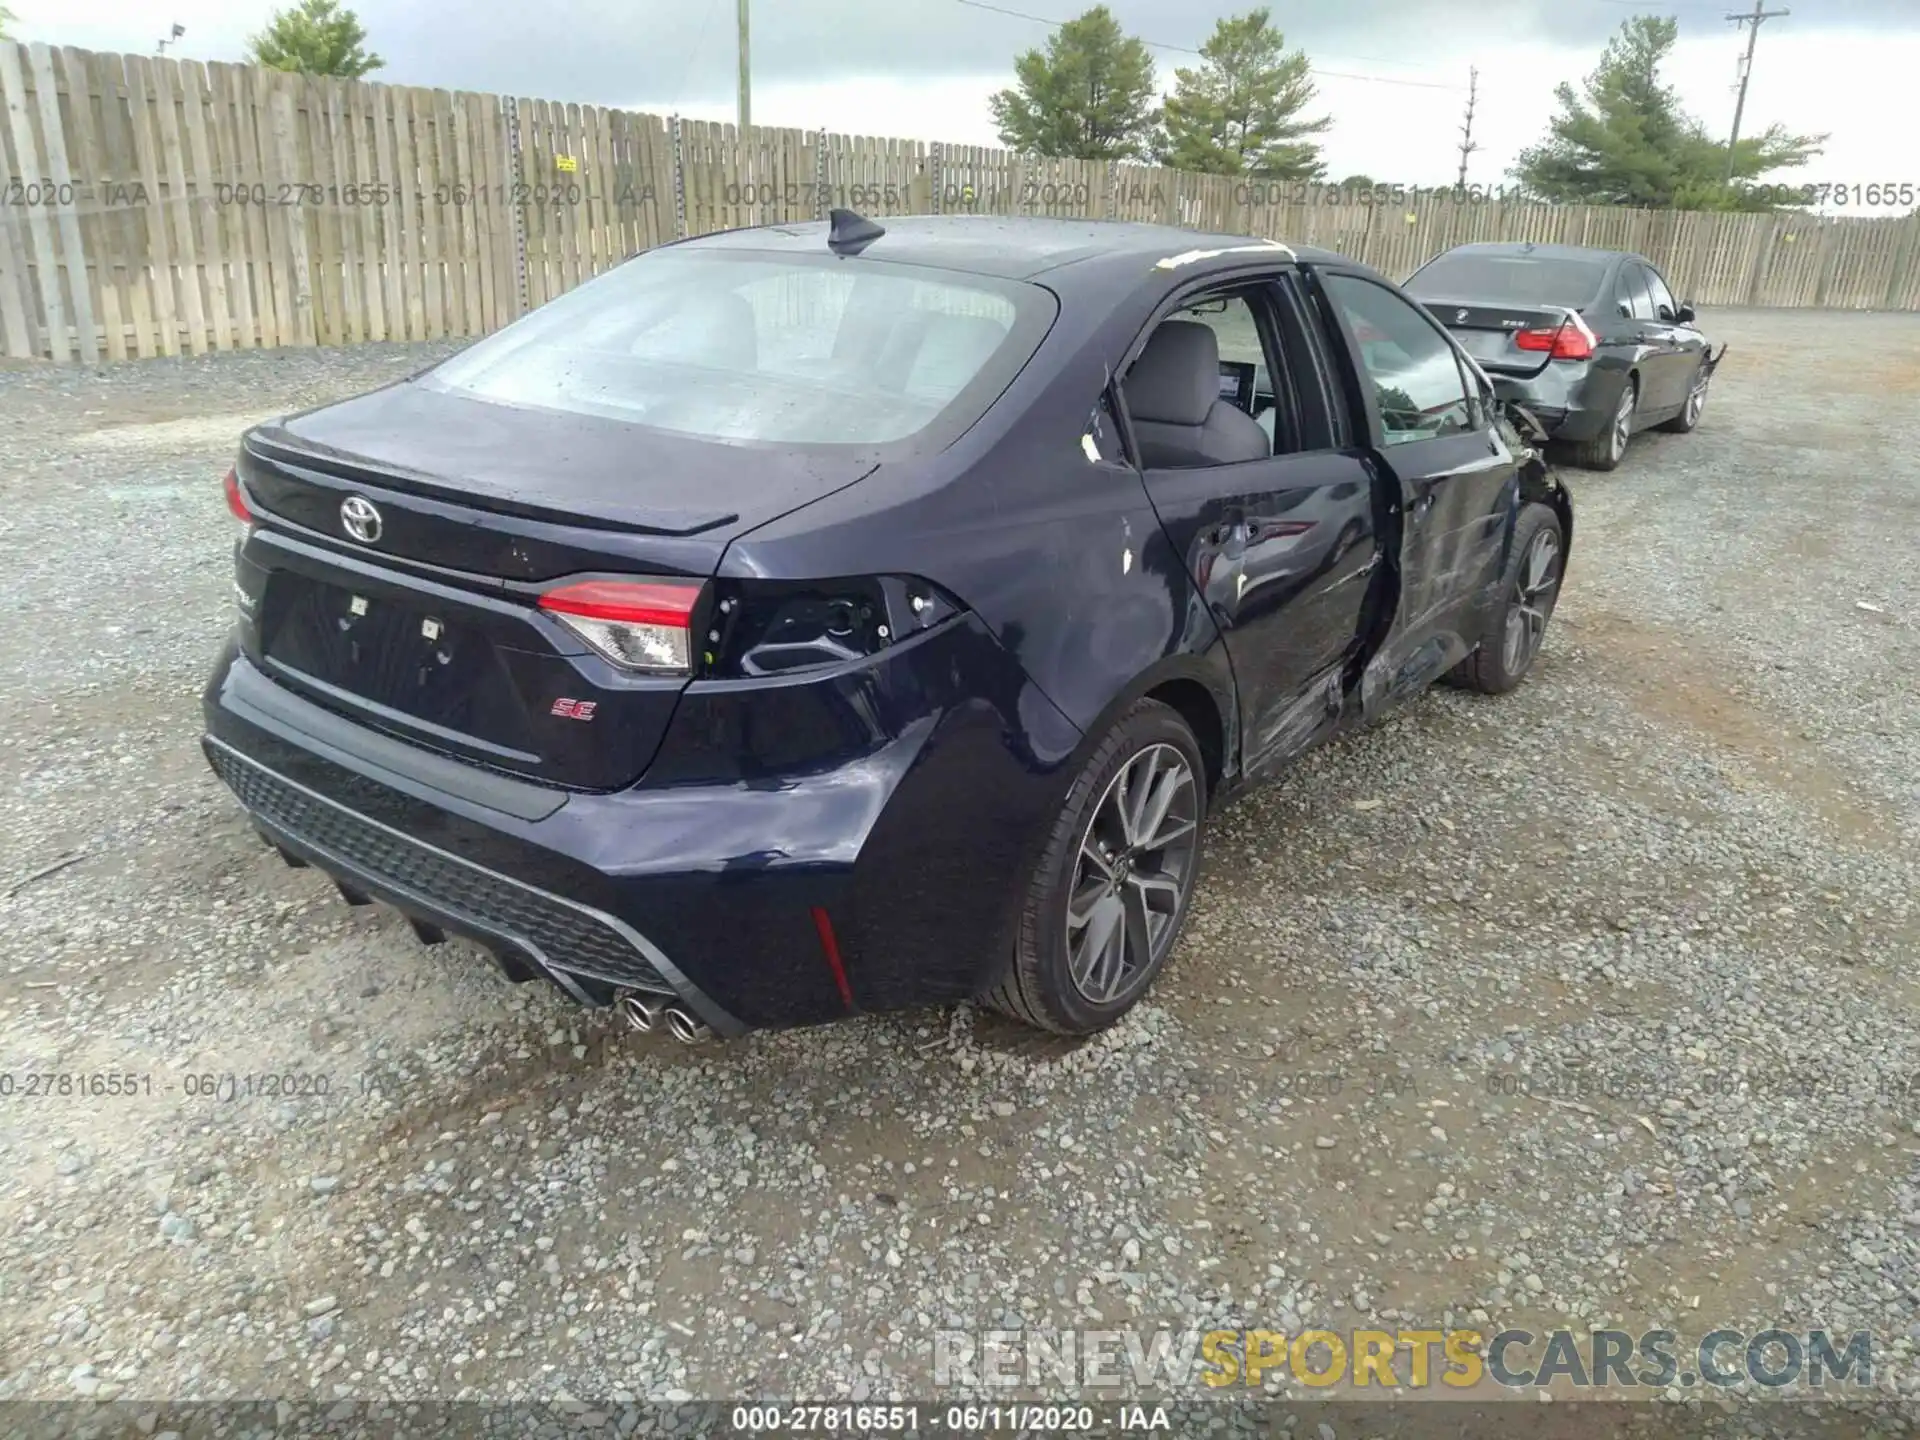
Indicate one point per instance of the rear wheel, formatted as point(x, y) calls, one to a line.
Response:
point(1606, 449)
point(1111, 892)
point(1689, 415)
point(1528, 591)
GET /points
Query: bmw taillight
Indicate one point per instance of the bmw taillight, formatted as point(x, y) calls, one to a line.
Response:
point(1569, 340)
point(642, 625)
point(237, 500)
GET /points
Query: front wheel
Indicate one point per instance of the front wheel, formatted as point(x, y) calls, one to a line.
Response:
point(1689, 415)
point(1528, 591)
point(1111, 892)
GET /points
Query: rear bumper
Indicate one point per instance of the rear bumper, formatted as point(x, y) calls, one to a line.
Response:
point(902, 801)
point(1573, 400)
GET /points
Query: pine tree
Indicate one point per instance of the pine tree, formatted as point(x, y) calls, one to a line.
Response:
point(1088, 97)
point(1627, 141)
point(1239, 111)
point(316, 37)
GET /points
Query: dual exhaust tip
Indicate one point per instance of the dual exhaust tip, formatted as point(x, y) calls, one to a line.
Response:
point(644, 1013)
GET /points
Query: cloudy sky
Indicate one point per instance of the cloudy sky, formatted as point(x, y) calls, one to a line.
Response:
point(1392, 73)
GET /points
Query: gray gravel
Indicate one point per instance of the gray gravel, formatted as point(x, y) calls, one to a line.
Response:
point(1595, 1004)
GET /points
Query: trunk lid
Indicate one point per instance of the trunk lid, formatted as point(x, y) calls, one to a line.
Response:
point(1485, 330)
point(431, 630)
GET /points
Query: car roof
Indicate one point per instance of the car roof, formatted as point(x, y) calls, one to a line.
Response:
point(1017, 247)
point(1545, 252)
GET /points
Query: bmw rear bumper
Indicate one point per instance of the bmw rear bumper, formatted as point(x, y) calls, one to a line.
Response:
point(796, 853)
point(1573, 401)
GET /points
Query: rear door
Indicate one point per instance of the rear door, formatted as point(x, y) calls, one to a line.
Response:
point(1457, 478)
point(1281, 547)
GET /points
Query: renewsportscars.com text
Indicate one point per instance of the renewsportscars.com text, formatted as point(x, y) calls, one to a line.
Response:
point(1213, 1360)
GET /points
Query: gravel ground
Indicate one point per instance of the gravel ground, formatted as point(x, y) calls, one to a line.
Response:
point(1595, 1004)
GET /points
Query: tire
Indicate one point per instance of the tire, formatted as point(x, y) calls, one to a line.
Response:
point(1605, 450)
point(1528, 591)
point(1689, 416)
point(1054, 980)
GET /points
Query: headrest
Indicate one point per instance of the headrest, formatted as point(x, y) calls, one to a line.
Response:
point(1176, 380)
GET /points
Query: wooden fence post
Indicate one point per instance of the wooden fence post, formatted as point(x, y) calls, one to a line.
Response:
point(679, 182)
point(517, 210)
point(1903, 258)
point(46, 260)
point(820, 196)
point(1763, 261)
point(1823, 279)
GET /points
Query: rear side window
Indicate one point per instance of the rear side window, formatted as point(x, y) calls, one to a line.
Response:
point(1410, 364)
point(1632, 291)
point(1520, 279)
point(764, 348)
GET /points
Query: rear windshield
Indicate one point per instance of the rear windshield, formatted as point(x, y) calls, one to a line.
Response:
point(778, 349)
point(1524, 279)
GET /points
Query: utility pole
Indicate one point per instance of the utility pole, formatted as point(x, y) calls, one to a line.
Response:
point(1758, 18)
point(1467, 147)
point(746, 75)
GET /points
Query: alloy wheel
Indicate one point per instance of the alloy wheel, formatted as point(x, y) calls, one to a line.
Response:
point(1696, 400)
point(1534, 594)
point(1623, 423)
point(1132, 874)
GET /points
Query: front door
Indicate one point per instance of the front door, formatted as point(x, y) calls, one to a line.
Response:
point(1686, 347)
point(1661, 359)
point(1457, 479)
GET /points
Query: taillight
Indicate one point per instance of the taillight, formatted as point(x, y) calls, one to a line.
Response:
point(1569, 340)
point(776, 627)
point(644, 625)
point(236, 499)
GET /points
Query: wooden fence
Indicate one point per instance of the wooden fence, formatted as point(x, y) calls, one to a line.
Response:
point(155, 206)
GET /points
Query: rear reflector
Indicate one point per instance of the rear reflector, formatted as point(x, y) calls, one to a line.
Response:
point(637, 624)
point(236, 500)
point(830, 948)
point(1570, 340)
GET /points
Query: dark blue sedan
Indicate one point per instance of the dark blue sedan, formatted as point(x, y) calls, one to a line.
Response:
point(828, 618)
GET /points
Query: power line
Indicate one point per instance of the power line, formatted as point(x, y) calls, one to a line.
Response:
point(1754, 21)
point(699, 39)
point(1190, 50)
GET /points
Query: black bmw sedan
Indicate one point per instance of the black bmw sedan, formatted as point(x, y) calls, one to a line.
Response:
point(1591, 341)
point(822, 618)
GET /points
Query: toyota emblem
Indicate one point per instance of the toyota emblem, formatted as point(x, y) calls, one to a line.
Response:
point(360, 519)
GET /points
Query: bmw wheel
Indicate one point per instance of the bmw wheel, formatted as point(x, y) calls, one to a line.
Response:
point(1111, 892)
point(1528, 591)
point(1689, 415)
point(1605, 450)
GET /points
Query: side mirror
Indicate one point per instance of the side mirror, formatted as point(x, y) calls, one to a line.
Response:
point(1626, 310)
point(1685, 317)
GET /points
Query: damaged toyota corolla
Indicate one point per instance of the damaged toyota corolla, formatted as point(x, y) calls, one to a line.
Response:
point(825, 618)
